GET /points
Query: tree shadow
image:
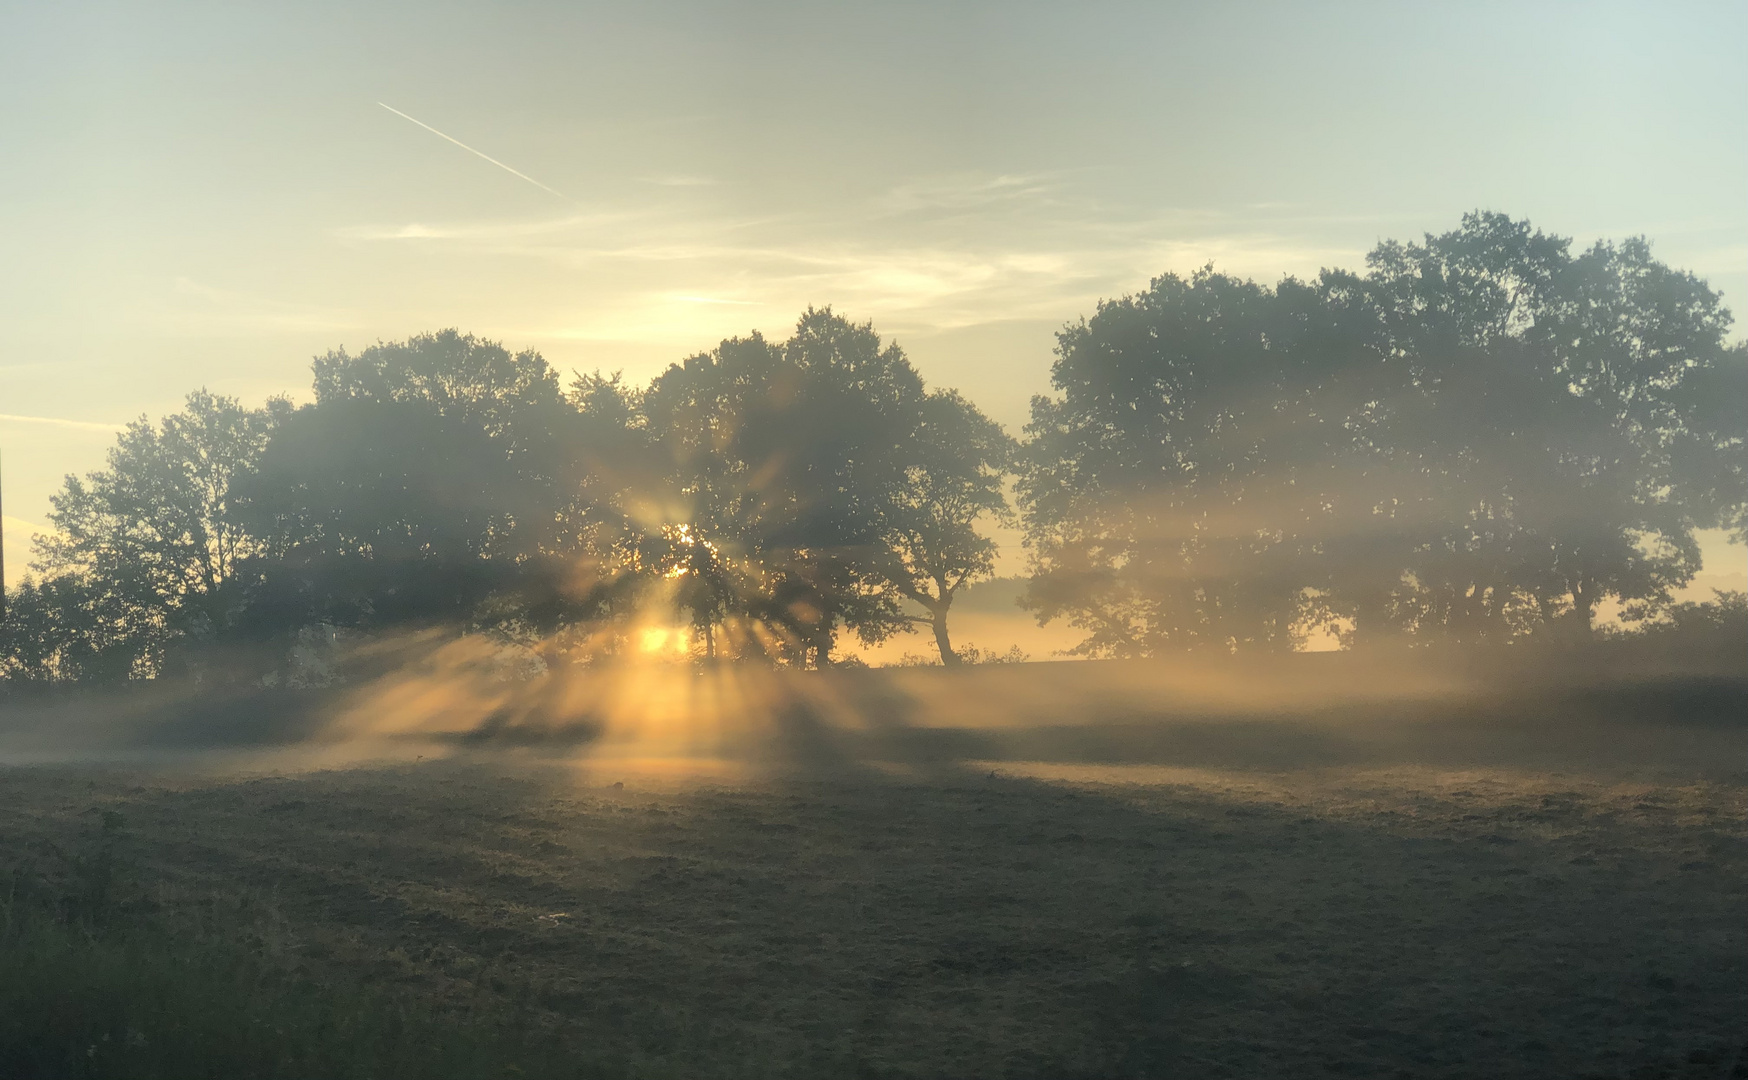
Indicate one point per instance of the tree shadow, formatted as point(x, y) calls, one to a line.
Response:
point(853, 920)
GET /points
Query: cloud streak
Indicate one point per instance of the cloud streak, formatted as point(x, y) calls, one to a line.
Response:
point(939, 253)
point(482, 230)
point(88, 425)
point(970, 192)
point(479, 154)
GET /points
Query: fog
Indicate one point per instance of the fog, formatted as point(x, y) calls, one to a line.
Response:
point(995, 541)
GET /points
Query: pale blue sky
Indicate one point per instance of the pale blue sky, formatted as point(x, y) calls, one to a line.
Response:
point(208, 194)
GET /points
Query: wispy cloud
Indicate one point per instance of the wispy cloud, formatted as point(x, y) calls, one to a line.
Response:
point(485, 231)
point(199, 310)
point(1709, 260)
point(86, 425)
point(937, 253)
point(964, 192)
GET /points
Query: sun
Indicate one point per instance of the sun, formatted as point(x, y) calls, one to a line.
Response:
point(663, 641)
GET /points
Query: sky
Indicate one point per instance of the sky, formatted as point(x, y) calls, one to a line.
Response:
point(209, 194)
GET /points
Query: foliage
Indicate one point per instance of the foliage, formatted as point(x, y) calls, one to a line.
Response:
point(1161, 487)
point(1543, 394)
point(785, 463)
point(1724, 616)
point(146, 551)
point(426, 477)
point(956, 466)
point(62, 630)
point(1480, 437)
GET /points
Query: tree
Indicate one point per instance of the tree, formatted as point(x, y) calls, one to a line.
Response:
point(1161, 494)
point(432, 474)
point(512, 400)
point(1710, 463)
point(1543, 399)
point(149, 546)
point(66, 629)
point(1481, 436)
point(377, 512)
point(955, 466)
point(782, 461)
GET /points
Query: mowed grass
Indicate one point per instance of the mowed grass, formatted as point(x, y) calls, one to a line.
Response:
point(504, 916)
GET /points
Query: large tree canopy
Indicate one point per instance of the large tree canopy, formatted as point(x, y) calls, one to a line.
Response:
point(148, 546)
point(778, 493)
point(784, 462)
point(428, 475)
point(1481, 436)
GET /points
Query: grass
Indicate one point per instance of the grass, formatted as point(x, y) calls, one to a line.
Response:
point(1499, 892)
point(97, 981)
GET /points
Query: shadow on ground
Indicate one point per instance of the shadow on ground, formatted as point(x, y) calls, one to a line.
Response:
point(1068, 871)
point(1403, 921)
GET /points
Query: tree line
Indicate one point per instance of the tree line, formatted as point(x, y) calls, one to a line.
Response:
point(1481, 437)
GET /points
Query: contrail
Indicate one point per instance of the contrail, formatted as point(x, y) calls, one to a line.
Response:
point(62, 423)
point(476, 153)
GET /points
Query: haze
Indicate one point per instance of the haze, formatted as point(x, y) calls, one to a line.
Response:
point(1081, 540)
point(209, 195)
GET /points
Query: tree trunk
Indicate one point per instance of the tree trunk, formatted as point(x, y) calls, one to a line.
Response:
point(948, 656)
point(1583, 608)
point(1369, 622)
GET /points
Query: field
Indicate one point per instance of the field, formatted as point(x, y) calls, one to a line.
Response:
point(1049, 871)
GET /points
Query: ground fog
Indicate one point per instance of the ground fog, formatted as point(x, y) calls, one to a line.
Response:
point(1429, 884)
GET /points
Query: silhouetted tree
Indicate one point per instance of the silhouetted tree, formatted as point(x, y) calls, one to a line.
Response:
point(68, 629)
point(431, 474)
point(955, 464)
point(1710, 463)
point(377, 512)
point(1539, 402)
point(1481, 436)
point(783, 462)
point(148, 547)
point(1162, 490)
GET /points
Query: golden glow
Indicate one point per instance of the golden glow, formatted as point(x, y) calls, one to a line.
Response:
point(662, 641)
point(691, 551)
point(647, 702)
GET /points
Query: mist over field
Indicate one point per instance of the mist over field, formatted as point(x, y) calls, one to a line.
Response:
point(1087, 541)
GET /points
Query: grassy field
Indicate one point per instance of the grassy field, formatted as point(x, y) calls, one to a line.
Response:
point(1532, 886)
